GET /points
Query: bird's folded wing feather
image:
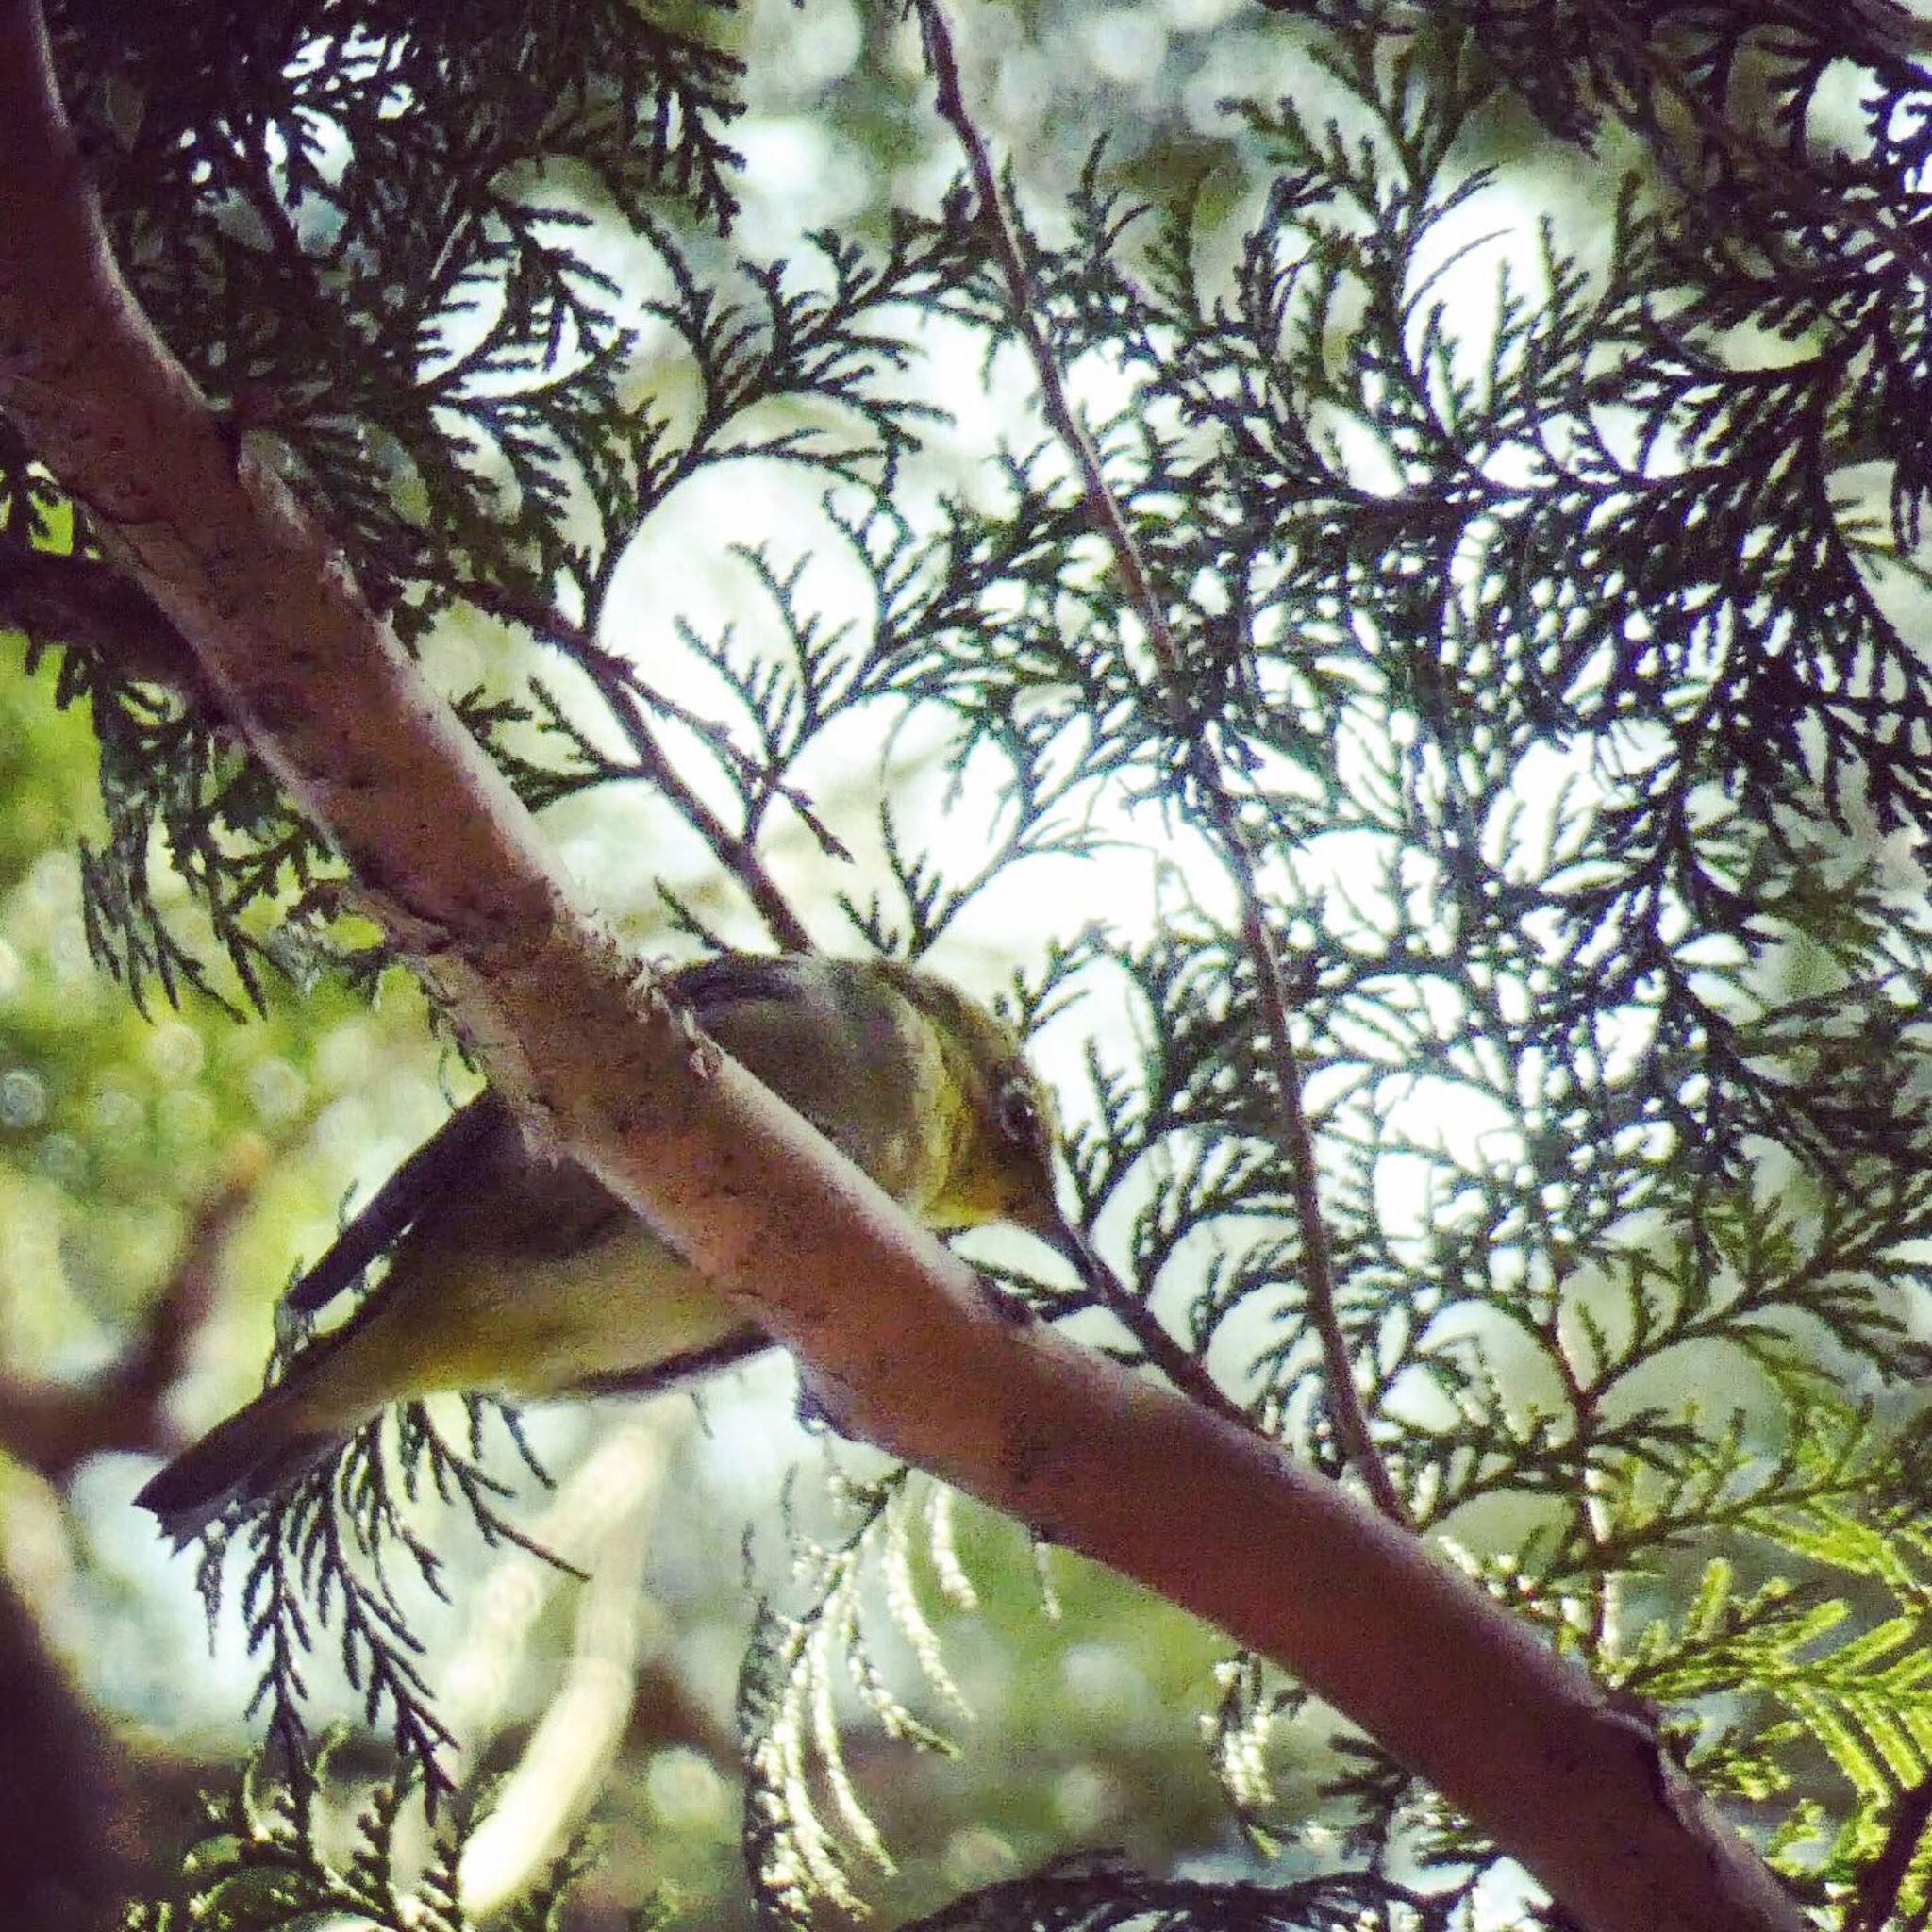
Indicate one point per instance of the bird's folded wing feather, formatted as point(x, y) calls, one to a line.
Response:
point(427, 1175)
point(474, 1175)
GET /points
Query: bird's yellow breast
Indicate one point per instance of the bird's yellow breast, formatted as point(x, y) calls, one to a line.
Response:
point(450, 1317)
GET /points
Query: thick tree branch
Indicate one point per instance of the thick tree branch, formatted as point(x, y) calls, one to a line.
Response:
point(900, 1340)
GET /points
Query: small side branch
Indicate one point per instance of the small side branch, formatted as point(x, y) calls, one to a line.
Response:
point(619, 685)
point(85, 604)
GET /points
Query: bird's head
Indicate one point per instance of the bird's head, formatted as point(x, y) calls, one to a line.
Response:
point(1004, 1132)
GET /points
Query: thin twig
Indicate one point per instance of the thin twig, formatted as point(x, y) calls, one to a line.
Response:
point(618, 683)
point(1295, 1136)
point(1182, 1365)
point(717, 739)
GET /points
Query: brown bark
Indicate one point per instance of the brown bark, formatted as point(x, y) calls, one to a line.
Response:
point(82, 602)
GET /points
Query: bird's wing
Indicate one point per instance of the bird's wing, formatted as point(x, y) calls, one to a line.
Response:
point(474, 1176)
point(474, 1181)
point(736, 979)
point(431, 1172)
point(842, 1046)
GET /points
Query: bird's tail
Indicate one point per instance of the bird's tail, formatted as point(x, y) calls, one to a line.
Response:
point(239, 1463)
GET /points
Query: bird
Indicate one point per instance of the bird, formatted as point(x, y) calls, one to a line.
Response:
point(520, 1275)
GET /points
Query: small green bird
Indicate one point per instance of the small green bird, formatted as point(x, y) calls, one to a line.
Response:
point(527, 1277)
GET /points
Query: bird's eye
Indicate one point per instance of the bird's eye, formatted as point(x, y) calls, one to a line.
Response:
point(1019, 1116)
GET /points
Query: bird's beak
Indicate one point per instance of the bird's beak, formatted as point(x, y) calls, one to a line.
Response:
point(1066, 1239)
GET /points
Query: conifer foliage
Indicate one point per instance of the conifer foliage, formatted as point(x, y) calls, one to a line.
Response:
point(1479, 541)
